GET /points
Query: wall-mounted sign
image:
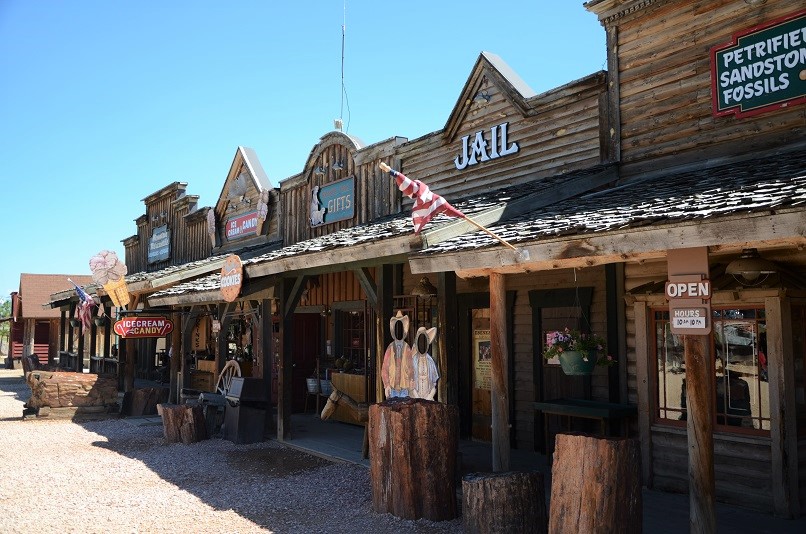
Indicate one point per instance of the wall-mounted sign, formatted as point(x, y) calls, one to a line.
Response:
point(159, 245)
point(242, 226)
point(333, 202)
point(689, 299)
point(483, 148)
point(231, 278)
point(144, 327)
point(762, 68)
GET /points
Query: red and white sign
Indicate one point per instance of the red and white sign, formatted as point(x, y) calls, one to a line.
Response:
point(242, 226)
point(231, 278)
point(132, 327)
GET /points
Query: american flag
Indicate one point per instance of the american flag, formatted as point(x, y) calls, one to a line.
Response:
point(85, 305)
point(427, 204)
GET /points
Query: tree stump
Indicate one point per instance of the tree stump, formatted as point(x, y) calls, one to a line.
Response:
point(143, 401)
point(595, 485)
point(504, 502)
point(183, 422)
point(413, 445)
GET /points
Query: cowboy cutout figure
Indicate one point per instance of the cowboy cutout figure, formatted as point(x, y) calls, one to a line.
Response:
point(397, 371)
point(425, 369)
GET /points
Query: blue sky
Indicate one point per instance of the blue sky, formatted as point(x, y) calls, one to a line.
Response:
point(104, 102)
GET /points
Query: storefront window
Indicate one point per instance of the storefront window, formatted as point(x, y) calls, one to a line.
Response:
point(739, 364)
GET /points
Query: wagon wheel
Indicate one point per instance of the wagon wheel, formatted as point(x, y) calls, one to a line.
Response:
point(230, 370)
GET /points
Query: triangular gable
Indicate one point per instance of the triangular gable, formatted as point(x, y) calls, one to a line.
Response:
point(246, 190)
point(490, 76)
point(36, 289)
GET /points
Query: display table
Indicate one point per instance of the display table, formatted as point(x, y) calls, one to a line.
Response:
point(604, 412)
point(354, 386)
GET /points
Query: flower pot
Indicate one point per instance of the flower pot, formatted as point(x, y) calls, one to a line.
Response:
point(573, 362)
point(99, 321)
point(75, 323)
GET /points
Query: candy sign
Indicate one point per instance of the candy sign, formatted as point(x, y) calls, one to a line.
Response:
point(144, 327)
point(242, 226)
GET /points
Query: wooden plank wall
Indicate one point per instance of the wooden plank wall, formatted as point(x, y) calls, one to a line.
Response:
point(328, 288)
point(189, 240)
point(374, 194)
point(524, 358)
point(561, 135)
point(665, 84)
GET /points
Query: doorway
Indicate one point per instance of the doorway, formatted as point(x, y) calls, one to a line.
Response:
point(307, 343)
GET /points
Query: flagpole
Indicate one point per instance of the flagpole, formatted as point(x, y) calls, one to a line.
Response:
point(386, 168)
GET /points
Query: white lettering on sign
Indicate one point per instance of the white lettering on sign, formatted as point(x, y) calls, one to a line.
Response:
point(689, 322)
point(231, 280)
point(482, 150)
point(689, 290)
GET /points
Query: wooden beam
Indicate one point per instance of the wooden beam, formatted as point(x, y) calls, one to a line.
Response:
point(285, 291)
point(643, 336)
point(783, 420)
point(448, 319)
point(177, 350)
point(499, 372)
point(368, 285)
point(131, 351)
point(700, 429)
point(784, 228)
point(293, 295)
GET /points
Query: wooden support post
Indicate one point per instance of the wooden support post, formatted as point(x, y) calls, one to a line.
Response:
point(448, 385)
point(700, 428)
point(62, 329)
point(80, 350)
point(131, 352)
point(70, 330)
point(499, 371)
point(596, 485)
point(504, 502)
point(413, 445)
point(175, 361)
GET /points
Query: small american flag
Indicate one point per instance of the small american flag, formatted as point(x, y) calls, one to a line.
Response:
point(85, 305)
point(427, 204)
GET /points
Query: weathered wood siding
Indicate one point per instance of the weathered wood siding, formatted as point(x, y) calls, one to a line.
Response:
point(741, 467)
point(664, 73)
point(559, 133)
point(328, 288)
point(375, 195)
point(523, 357)
point(188, 231)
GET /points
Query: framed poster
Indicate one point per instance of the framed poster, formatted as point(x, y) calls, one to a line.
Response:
point(482, 359)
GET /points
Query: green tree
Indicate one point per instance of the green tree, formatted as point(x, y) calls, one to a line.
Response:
point(5, 326)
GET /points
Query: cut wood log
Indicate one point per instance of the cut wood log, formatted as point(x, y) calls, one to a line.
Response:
point(504, 502)
point(183, 422)
point(595, 485)
point(143, 401)
point(413, 445)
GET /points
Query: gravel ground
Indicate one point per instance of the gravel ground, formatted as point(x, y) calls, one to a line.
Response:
point(110, 476)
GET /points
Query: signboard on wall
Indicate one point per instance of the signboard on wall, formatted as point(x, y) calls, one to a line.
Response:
point(689, 301)
point(231, 278)
point(159, 245)
point(241, 226)
point(333, 202)
point(139, 327)
point(482, 360)
point(762, 68)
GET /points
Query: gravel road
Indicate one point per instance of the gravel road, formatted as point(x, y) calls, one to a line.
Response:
point(111, 476)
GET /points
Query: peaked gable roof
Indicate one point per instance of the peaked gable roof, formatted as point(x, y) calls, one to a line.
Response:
point(488, 70)
point(245, 159)
point(36, 289)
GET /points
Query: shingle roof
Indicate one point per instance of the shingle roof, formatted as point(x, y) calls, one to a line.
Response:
point(755, 185)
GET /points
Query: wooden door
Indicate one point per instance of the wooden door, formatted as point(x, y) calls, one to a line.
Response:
point(307, 345)
point(480, 355)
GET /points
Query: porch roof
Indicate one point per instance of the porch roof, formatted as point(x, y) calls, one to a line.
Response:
point(735, 202)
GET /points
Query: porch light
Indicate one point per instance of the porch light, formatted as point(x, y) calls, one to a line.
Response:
point(748, 267)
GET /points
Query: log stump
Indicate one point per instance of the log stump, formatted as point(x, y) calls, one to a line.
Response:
point(412, 453)
point(183, 422)
point(143, 401)
point(504, 502)
point(595, 485)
